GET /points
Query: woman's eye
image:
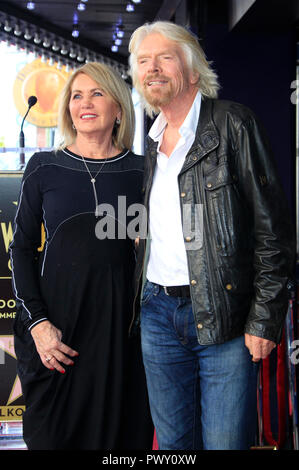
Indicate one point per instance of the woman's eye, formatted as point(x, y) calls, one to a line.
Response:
point(75, 97)
point(98, 93)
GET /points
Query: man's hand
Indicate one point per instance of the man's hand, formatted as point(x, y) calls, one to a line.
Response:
point(259, 348)
point(52, 351)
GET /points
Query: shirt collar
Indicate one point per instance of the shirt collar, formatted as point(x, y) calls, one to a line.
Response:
point(188, 127)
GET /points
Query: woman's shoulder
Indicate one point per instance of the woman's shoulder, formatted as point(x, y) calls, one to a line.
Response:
point(39, 158)
point(38, 161)
point(137, 161)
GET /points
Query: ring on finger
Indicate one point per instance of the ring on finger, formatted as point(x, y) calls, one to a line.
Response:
point(48, 359)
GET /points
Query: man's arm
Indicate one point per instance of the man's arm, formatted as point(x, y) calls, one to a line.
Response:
point(273, 234)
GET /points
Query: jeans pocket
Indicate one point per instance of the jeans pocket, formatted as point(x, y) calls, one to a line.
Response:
point(148, 292)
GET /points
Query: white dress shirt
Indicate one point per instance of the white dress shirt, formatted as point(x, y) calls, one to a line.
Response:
point(167, 264)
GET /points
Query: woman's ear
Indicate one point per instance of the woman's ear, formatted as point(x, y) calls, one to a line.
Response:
point(118, 117)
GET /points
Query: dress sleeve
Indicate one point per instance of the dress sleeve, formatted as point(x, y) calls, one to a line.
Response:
point(24, 247)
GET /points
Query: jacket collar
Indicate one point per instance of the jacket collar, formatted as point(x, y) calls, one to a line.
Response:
point(206, 138)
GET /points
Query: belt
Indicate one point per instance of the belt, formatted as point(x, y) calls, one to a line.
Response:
point(177, 291)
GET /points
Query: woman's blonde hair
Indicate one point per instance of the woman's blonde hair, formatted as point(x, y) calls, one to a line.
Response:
point(193, 53)
point(114, 86)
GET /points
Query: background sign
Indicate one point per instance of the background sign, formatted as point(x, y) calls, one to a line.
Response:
point(11, 398)
point(45, 82)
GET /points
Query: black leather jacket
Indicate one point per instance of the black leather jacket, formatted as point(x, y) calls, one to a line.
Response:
point(238, 279)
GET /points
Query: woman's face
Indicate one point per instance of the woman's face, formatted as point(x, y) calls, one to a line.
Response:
point(92, 111)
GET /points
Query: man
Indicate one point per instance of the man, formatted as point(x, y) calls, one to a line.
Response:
point(220, 249)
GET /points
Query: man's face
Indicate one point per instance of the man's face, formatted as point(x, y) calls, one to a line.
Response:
point(162, 72)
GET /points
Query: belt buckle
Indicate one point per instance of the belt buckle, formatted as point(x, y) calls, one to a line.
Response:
point(165, 290)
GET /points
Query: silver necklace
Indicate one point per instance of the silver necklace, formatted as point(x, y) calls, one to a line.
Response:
point(93, 182)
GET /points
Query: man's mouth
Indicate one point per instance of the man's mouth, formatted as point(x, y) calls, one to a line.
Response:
point(156, 82)
point(151, 81)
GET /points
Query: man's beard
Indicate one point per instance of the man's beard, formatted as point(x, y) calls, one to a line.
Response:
point(159, 96)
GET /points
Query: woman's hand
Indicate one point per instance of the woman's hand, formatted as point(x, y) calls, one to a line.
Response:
point(52, 351)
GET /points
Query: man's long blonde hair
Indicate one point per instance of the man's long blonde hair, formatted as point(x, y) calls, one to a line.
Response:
point(193, 53)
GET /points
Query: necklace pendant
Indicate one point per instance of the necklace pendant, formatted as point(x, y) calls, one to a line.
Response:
point(93, 180)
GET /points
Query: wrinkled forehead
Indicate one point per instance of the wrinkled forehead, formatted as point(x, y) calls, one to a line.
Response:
point(156, 41)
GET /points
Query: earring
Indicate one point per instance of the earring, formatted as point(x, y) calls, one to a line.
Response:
point(73, 127)
point(117, 121)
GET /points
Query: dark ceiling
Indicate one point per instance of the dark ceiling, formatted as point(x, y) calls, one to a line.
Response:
point(47, 29)
point(97, 22)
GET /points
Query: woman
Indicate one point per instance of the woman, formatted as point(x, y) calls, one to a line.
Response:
point(81, 373)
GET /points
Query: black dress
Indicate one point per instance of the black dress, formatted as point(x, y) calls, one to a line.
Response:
point(82, 283)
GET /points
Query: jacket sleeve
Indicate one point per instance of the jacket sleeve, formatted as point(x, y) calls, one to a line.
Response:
point(274, 238)
point(24, 248)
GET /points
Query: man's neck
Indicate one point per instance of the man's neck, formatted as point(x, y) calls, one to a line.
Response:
point(175, 112)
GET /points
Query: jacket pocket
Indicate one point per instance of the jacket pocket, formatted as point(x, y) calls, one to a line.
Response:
point(218, 177)
point(224, 206)
point(237, 285)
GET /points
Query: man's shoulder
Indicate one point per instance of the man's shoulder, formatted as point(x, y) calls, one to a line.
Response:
point(237, 111)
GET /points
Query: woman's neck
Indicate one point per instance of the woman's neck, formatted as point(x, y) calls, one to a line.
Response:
point(94, 148)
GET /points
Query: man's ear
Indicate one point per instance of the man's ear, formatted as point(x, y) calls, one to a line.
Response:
point(194, 78)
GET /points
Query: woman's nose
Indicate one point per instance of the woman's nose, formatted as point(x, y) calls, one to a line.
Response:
point(86, 102)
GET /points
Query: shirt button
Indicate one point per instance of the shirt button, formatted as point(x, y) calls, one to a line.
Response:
point(199, 326)
point(183, 194)
point(188, 239)
point(193, 282)
point(228, 287)
point(209, 185)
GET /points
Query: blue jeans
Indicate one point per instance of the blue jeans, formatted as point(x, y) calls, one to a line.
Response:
point(201, 397)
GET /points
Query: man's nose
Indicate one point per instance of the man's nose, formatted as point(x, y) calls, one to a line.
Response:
point(154, 66)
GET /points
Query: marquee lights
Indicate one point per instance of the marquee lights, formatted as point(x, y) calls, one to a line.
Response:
point(37, 39)
point(130, 7)
point(119, 33)
point(46, 42)
point(55, 46)
point(75, 31)
point(55, 49)
point(30, 5)
point(117, 36)
point(7, 26)
point(17, 30)
point(27, 34)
